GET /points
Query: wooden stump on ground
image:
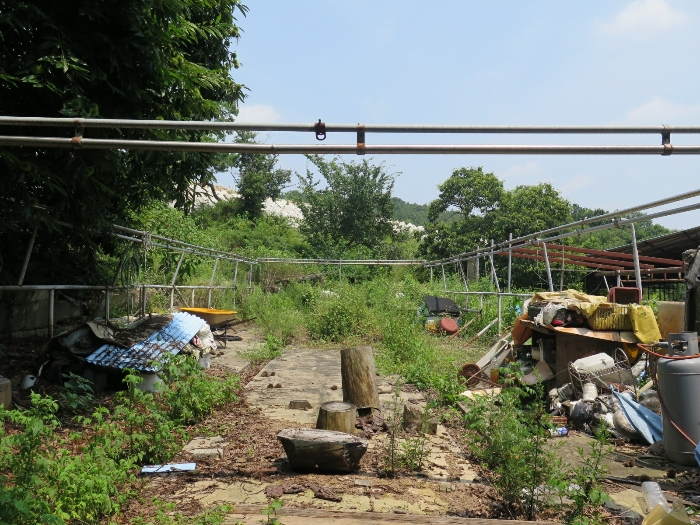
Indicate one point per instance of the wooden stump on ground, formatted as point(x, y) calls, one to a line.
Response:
point(359, 377)
point(337, 415)
point(326, 450)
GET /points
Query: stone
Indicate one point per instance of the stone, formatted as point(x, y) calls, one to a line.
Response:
point(207, 453)
point(413, 417)
point(438, 461)
point(444, 486)
point(433, 426)
point(657, 449)
point(363, 482)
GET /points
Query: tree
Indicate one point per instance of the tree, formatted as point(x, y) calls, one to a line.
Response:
point(354, 209)
point(133, 59)
point(258, 179)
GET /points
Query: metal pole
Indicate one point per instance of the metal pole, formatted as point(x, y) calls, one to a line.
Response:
point(500, 321)
point(477, 265)
point(618, 281)
point(51, 306)
point(494, 277)
point(172, 284)
point(211, 281)
point(340, 270)
point(549, 269)
point(192, 298)
point(431, 274)
point(605, 280)
point(444, 282)
point(510, 260)
point(250, 278)
point(235, 281)
point(637, 273)
point(107, 293)
point(464, 277)
point(561, 277)
point(143, 301)
point(30, 247)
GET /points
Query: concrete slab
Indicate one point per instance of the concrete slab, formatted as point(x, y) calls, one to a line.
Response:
point(204, 442)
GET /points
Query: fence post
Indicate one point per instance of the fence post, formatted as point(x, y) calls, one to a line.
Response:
point(431, 274)
point(637, 273)
point(143, 301)
point(211, 281)
point(444, 281)
point(500, 322)
point(549, 269)
point(51, 303)
point(172, 284)
point(235, 286)
point(510, 259)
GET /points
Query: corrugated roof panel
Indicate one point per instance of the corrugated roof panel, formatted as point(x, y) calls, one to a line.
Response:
point(171, 338)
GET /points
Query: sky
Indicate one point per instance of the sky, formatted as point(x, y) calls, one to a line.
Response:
point(484, 63)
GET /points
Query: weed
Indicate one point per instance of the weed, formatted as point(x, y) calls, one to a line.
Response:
point(167, 515)
point(271, 349)
point(271, 512)
point(77, 395)
point(394, 418)
point(416, 449)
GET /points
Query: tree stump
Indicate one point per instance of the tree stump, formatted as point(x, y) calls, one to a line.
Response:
point(336, 415)
point(359, 378)
point(326, 450)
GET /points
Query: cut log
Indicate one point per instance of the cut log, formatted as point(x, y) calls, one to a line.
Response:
point(359, 377)
point(337, 415)
point(324, 450)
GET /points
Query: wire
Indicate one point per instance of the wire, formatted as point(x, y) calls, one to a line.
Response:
point(662, 356)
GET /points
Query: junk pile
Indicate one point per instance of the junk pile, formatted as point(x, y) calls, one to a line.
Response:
point(440, 315)
point(100, 353)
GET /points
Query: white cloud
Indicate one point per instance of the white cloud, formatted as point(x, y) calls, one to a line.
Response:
point(575, 184)
point(521, 170)
point(644, 17)
point(662, 111)
point(258, 113)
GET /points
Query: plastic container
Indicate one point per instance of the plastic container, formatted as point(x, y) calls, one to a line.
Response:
point(654, 496)
point(659, 516)
point(590, 392)
point(28, 382)
point(609, 316)
point(559, 432)
point(448, 325)
point(594, 363)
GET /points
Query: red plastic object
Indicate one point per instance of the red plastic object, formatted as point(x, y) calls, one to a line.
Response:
point(625, 295)
point(449, 325)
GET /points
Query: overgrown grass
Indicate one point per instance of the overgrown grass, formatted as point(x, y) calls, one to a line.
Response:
point(48, 477)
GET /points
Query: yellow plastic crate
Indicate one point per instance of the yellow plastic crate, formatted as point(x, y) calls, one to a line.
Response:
point(610, 316)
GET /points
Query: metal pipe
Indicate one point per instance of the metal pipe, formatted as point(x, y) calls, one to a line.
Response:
point(336, 128)
point(340, 149)
point(51, 307)
point(172, 284)
point(143, 301)
point(675, 269)
point(107, 294)
point(510, 260)
point(235, 280)
point(369, 262)
point(30, 247)
point(637, 273)
point(493, 271)
point(530, 239)
point(431, 274)
point(250, 278)
point(444, 282)
point(504, 294)
point(500, 321)
point(211, 281)
point(615, 216)
point(549, 269)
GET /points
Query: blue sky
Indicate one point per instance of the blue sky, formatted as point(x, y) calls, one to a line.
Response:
point(496, 62)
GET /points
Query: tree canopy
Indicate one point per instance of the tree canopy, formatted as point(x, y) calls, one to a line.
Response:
point(132, 59)
point(354, 209)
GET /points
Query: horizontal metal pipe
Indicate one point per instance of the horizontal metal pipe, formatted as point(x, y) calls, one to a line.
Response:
point(374, 262)
point(677, 269)
point(339, 149)
point(502, 294)
point(532, 239)
point(336, 128)
point(35, 287)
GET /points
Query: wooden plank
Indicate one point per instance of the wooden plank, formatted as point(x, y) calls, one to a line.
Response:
point(310, 516)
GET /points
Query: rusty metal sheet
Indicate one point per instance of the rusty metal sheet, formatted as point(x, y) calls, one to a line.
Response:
point(171, 339)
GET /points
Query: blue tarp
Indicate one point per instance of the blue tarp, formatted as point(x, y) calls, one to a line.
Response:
point(644, 421)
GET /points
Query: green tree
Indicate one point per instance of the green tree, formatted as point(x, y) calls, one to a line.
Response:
point(353, 210)
point(132, 59)
point(258, 179)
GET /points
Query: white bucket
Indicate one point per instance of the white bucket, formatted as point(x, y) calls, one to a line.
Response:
point(590, 392)
point(149, 382)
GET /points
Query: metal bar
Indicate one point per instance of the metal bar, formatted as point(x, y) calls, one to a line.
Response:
point(510, 260)
point(337, 128)
point(343, 261)
point(614, 216)
point(211, 281)
point(192, 298)
point(493, 272)
point(30, 247)
point(51, 316)
point(500, 320)
point(607, 287)
point(431, 274)
point(678, 269)
point(250, 278)
point(340, 149)
point(444, 282)
point(617, 255)
point(583, 258)
point(561, 276)
point(637, 274)
point(172, 285)
point(598, 266)
point(235, 280)
point(143, 301)
point(107, 294)
point(549, 269)
point(340, 271)
point(504, 294)
point(481, 332)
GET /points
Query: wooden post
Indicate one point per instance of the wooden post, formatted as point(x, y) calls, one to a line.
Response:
point(336, 415)
point(359, 378)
